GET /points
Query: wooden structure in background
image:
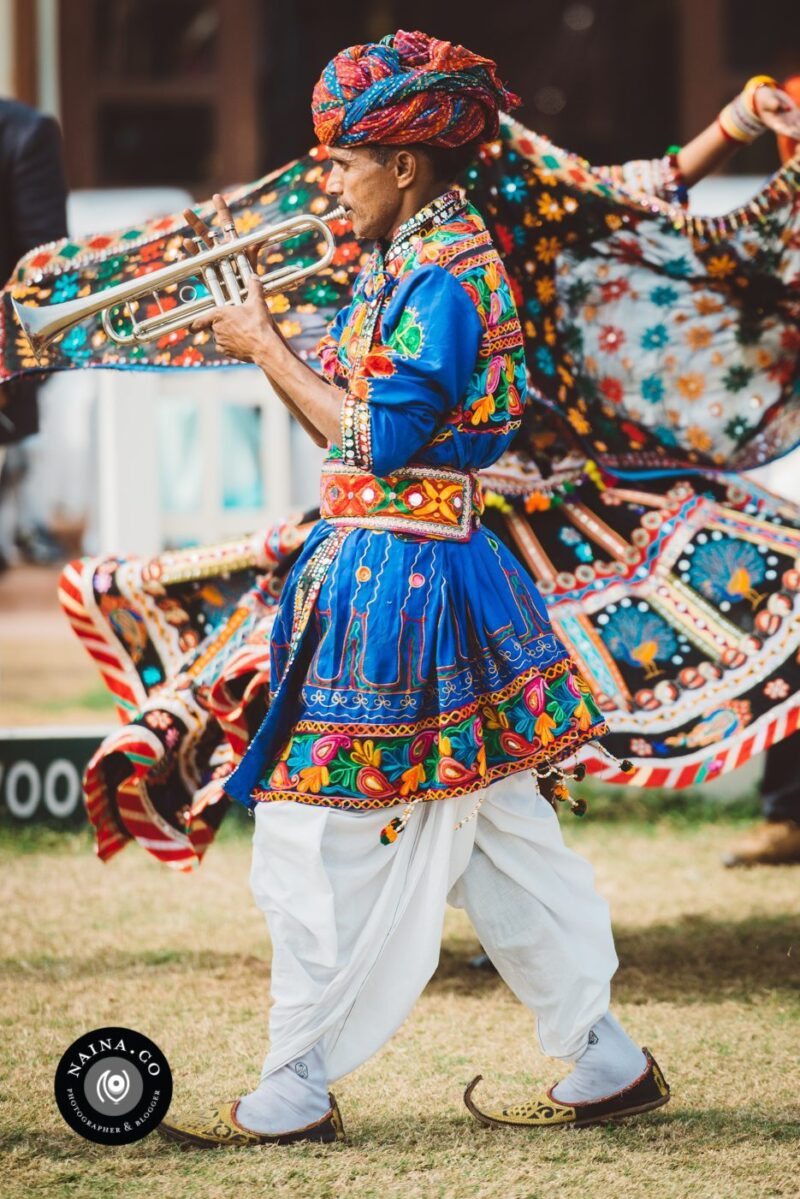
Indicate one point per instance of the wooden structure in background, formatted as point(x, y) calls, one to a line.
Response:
point(204, 93)
point(721, 43)
point(156, 92)
point(26, 78)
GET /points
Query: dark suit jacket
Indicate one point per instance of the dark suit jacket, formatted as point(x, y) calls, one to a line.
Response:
point(33, 210)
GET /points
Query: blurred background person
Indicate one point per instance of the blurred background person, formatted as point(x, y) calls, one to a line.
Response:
point(33, 210)
point(776, 840)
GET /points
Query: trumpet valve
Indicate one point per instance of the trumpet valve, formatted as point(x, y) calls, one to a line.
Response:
point(211, 280)
point(245, 270)
point(232, 284)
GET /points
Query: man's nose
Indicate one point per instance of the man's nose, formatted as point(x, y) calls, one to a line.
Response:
point(333, 183)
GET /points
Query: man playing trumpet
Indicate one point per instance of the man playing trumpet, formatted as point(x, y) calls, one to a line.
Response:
point(418, 692)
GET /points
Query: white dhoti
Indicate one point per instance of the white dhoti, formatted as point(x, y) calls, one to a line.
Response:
point(356, 926)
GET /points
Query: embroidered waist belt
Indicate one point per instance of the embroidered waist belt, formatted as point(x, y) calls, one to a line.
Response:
point(426, 501)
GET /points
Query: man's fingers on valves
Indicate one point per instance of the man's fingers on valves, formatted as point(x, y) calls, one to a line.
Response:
point(204, 235)
point(198, 226)
point(226, 221)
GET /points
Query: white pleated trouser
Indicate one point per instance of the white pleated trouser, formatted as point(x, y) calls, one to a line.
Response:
point(356, 926)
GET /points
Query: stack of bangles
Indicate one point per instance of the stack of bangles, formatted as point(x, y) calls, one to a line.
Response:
point(739, 121)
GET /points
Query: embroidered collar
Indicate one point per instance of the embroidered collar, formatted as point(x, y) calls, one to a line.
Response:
point(438, 212)
point(380, 277)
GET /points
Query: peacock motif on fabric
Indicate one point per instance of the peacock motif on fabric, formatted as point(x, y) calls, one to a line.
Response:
point(639, 636)
point(728, 570)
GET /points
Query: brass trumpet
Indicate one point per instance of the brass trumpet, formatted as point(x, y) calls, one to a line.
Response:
point(209, 279)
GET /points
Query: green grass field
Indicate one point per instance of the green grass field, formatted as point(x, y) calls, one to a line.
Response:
point(709, 980)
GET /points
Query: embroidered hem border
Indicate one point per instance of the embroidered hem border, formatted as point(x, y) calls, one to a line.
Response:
point(562, 746)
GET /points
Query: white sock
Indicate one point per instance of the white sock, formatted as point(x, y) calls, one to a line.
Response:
point(291, 1097)
point(610, 1062)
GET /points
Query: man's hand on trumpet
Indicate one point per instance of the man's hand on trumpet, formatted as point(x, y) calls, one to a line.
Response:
point(241, 331)
point(245, 331)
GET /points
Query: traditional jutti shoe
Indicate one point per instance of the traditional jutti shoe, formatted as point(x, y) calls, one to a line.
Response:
point(219, 1129)
point(646, 1092)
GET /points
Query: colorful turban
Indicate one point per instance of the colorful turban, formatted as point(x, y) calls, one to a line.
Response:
point(408, 88)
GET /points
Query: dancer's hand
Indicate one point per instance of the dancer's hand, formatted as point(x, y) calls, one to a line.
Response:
point(778, 111)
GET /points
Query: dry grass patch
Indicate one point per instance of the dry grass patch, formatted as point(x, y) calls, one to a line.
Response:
point(709, 981)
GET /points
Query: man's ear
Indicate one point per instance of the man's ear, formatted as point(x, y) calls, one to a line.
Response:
point(406, 168)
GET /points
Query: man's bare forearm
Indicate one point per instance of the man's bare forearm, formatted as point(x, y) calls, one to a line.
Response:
point(317, 404)
point(313, 432)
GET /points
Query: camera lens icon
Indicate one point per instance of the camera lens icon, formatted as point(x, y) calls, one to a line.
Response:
point(113, 1087)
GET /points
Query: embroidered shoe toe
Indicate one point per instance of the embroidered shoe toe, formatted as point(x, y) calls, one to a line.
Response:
point(648, 1091)
point(218, 1128)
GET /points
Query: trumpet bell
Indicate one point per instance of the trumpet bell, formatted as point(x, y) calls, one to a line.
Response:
point(41, 325)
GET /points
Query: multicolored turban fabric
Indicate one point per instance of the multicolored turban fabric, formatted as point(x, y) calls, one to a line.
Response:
point(408, 88)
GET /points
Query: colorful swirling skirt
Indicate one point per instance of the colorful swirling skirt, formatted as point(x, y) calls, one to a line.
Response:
point(679, 600)
point(182, 642)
